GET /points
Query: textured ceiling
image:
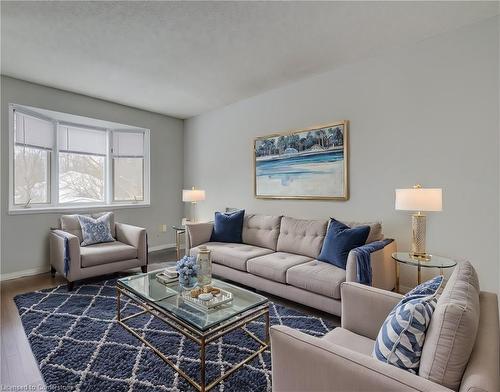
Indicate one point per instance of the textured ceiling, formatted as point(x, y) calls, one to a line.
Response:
point(186, 58)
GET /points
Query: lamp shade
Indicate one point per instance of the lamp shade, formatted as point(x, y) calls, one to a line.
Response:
point(419, 199)
point(193, 195)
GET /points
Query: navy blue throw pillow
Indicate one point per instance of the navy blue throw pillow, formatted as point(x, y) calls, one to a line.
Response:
point(340, 239)
point(228, 227)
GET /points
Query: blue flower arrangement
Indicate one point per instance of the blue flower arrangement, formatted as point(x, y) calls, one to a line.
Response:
point(188, 271)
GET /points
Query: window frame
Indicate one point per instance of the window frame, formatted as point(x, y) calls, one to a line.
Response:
point(54, 205)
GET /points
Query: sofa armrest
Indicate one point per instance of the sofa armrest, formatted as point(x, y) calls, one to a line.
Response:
point(57, 251)
point(364, 308)
point(302, 362)
point(198, 233)
point(383, 267)
point(134, 236)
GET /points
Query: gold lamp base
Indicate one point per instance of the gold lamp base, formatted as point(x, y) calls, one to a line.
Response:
point(418, 233)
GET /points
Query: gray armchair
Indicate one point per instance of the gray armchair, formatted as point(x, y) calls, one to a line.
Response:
point(77, 262)
point(341, 360)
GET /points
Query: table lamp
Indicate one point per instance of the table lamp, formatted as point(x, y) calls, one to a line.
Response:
point(419, 199)
point(193, 196)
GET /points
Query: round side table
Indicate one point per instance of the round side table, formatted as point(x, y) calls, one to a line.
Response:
point(430, 262)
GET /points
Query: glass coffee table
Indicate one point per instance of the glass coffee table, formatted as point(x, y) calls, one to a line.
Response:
point(165, 302)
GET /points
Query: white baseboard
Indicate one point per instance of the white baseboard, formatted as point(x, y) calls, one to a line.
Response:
point(28, 272)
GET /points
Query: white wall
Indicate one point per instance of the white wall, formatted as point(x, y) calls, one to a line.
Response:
point(25, 237)
point(426, 113)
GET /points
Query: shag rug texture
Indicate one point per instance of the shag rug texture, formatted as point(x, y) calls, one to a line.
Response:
point(79, 346)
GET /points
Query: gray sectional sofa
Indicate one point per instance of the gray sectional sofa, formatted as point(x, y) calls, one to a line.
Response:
point(278, 255)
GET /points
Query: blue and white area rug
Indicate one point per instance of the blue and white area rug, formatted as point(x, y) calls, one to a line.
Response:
point(80, 347)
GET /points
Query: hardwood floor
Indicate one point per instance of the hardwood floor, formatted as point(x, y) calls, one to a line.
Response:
point(18, 367)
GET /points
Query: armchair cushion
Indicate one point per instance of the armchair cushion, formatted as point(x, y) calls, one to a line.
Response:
point(453, 329)
point(343, 337)
point(105, 253)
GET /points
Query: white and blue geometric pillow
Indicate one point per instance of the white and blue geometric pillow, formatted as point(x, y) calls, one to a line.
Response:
point(95, 231)
point(401, 337)
point(427, 288)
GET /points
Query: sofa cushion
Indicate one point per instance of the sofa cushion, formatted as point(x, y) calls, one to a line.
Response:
point(453, 328)
point(275, 265)
point(232, 255)
point(301, 236)
point(71, 224)
point(318, 277)
point(261, 230)
point(375, 230)
point(228, 226)
point(105, 253)
point(340, 240)
point(345, 338)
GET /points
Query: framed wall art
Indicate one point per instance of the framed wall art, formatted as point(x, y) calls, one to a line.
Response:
point(306, 163)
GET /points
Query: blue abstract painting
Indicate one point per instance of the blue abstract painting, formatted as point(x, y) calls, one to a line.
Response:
point(303, 164)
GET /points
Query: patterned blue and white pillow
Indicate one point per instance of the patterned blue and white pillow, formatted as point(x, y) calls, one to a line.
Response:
point(427, 288)
point(401, 338)
point(95, 231)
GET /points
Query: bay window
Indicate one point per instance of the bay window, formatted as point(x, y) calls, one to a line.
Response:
point(56, 164)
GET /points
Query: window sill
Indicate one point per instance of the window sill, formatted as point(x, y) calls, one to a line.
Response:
point(75, 209)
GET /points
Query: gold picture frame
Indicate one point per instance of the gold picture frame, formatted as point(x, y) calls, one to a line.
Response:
point(314, 159)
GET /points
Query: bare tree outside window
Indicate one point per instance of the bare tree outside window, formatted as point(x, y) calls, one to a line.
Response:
point(81, 178)
point(31, 173)
point(128, 179)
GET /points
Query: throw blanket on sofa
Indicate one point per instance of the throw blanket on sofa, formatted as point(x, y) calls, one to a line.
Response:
point(67, 257)
point(363, 253)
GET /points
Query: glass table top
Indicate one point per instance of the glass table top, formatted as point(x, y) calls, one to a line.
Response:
point(432, 261)
point(168, 298)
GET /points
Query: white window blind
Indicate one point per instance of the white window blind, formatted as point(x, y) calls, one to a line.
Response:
point(33, 132)
point(128, 144)
point(82, 140)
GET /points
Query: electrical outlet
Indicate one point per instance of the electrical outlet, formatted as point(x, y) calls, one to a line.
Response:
point(163, 228)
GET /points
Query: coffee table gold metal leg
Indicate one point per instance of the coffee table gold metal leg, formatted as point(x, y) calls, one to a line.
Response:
point(267, 326)
point(202, 366)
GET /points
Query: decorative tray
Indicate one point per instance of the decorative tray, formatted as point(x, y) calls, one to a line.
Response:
point(220, 299)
